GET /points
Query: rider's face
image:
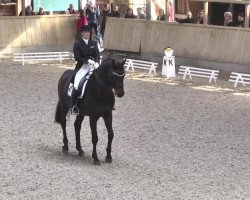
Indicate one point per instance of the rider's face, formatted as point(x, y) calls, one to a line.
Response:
point(85, 35)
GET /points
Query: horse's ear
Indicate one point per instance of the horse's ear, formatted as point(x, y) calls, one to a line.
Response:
point(113, 61)
point(124, 61)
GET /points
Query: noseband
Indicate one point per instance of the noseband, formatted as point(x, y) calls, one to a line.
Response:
point(117, 73)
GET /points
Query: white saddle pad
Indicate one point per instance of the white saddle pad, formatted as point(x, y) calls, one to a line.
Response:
point(85, 71)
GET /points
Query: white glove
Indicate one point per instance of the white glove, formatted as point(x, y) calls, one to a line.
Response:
point(91, 62)
point(96, 65)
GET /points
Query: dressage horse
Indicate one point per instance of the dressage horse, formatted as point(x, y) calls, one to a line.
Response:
point(98, 101)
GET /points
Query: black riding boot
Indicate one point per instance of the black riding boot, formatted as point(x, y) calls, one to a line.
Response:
point(73, 102)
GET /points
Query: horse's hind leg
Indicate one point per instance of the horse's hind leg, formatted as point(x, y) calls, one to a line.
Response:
point(77, 125)
point(108, 123)
point(93, 121)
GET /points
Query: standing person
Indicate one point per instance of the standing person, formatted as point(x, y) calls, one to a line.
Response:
point(161, 16)
point(130, 14)
point(105, 13)
point(228, 19)
point(71, 9)
point(140, 15)
point(82, 20)
point(41, 11)
point(241, 20)
point(200, 18)
point(85, 51)
point(92, 16)
point(28, 11)
point(115, 12)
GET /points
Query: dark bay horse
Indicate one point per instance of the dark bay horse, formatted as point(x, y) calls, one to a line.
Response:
point(98, 101)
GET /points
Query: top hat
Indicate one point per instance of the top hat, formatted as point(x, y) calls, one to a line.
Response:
point(85, 28)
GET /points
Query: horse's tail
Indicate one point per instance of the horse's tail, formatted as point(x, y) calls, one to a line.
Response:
point(58, 115)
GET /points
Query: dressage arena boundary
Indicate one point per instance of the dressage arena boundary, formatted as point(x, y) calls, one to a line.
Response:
point(199, 72)
point(239, 78)
point(235, 77)
point(141, 64)
point(42, 56)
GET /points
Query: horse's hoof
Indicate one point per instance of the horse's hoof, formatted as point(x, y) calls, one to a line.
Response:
point(81, 153)
point(65, 148)
point(97, 162)
point(108, 159)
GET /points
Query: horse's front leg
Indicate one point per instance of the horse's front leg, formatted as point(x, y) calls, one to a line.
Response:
point(77, 124)
point(93, 124)
point(108, 123)
point(63, 113)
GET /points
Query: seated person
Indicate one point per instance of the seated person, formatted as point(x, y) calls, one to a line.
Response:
point(161, 16)
point(130, 14)
point(41, 11)
point(71, 9)
point(189, 19)
point(241, 20)
point(140, 15)
point(228, 19)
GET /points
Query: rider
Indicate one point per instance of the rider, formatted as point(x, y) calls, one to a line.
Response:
point(86, 53)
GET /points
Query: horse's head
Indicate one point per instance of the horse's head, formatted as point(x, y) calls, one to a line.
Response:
point(110, 75)
point(117, 77)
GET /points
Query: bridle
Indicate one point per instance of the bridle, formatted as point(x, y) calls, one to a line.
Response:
point(105, 85)
point(117, 73)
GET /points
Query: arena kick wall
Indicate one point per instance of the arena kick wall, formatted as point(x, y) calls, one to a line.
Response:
point(193, 44)
point(37, 33)
point(197, 45)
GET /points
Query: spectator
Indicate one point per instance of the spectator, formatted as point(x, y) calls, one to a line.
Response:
point(115, 12)
point(28, 11)
point(130, 14)
point(92, 16)
point(71, 9)
point(228, 19)
point(241, 20)
point(200, 18)
point(82, 21)
point(161, 16)
point(41, 11)
point(140, 15)
point(189, 19)
point(104, 14)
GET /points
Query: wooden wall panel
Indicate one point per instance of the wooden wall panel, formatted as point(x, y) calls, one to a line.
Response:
point(123, 35)
point(37, 33)
point(212, 43)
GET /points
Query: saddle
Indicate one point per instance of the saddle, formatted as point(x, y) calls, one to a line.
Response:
point(81, 80)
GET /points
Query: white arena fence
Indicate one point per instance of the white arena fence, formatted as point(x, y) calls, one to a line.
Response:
point(141, 64)
point(239, 78)
point(42, 56)
point(198, 72)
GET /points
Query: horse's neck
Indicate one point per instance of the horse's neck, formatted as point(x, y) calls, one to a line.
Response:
point(102, 73)
point(100, 82)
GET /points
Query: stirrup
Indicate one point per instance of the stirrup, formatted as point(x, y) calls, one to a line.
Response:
point(75, 110)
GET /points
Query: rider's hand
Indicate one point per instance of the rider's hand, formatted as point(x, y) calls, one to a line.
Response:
point(91, 62)
point(96, 65)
